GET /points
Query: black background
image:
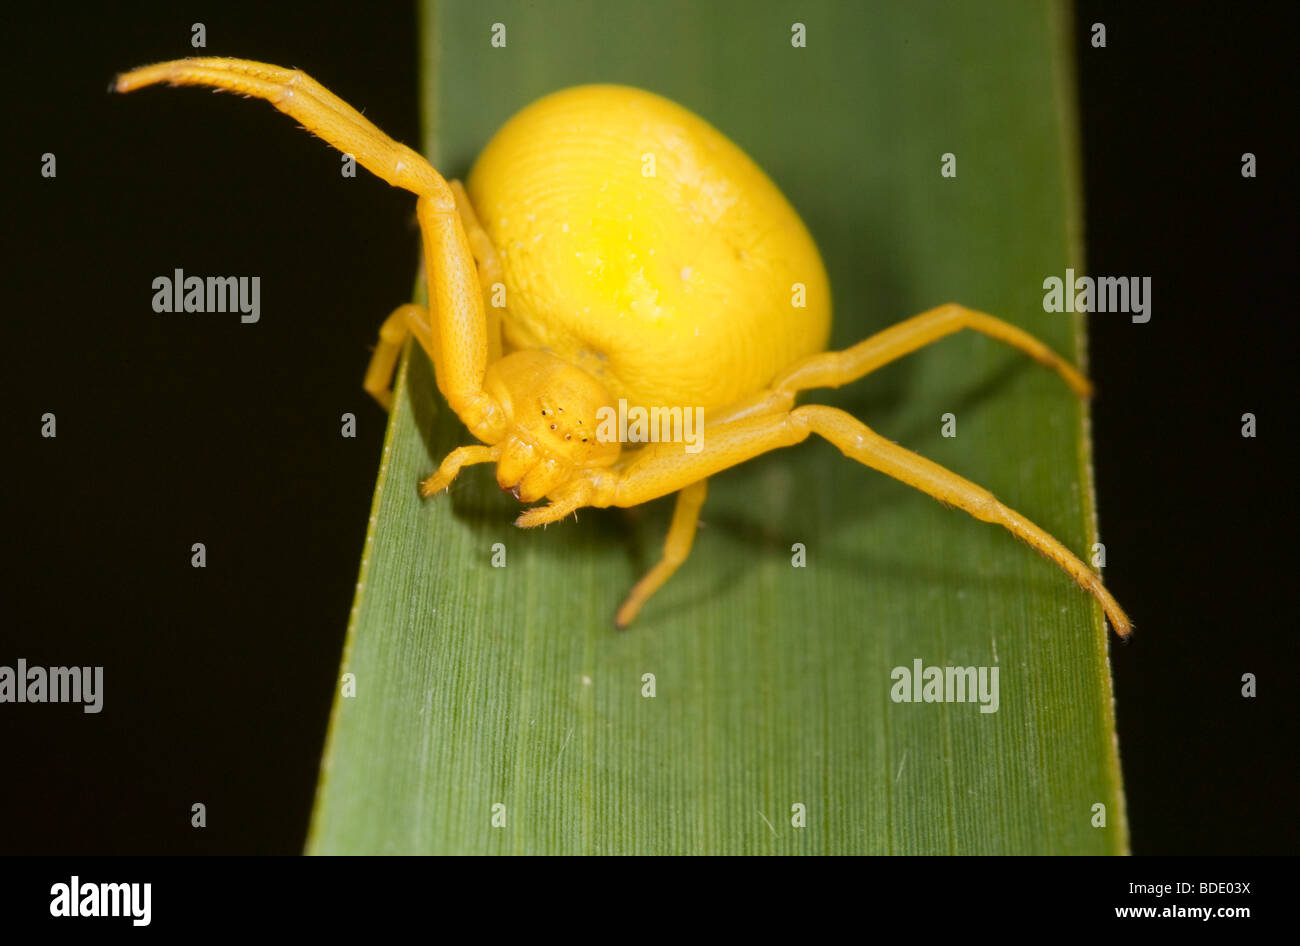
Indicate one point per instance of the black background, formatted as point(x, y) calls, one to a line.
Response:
point(156, 449)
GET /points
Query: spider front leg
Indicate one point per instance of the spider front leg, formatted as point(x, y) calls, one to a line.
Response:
point(659, 469)
point(411, 319)
point(458, 339)
point(490, 272)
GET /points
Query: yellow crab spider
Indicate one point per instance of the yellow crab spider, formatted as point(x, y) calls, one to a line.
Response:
point(643, 259)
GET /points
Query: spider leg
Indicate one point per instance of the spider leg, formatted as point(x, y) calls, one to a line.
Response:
point(767, 421)
point(659, 469)
point(414, 319)
point(597, 488)
point(835, 368)
point(405, 320)
point(490, 271)
point(460, 339)
point(681, 535)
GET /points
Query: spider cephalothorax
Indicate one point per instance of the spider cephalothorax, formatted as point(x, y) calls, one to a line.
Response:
point(552, 408)
point(641, 255)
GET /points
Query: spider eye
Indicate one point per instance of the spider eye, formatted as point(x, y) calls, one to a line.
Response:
point(553, 426)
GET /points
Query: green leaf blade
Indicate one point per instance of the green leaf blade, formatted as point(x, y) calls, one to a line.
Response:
point(479, 686)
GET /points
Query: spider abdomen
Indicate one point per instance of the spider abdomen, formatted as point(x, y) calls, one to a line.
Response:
point(642, 245)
